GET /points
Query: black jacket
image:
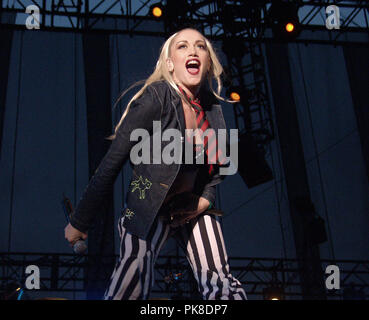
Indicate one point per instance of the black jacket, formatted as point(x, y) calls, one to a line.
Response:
point(151, 182)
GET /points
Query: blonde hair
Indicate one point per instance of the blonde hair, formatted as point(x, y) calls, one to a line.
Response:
point(161, 72)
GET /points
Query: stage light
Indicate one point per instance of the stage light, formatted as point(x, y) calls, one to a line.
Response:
point(173, 13)
point(290, 27)
point(13, 291)
point(157, 10)
point(235, 96)
point(236, 93)
point(273, 293)
point(284, 20)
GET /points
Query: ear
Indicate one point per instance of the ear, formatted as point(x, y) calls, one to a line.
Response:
point(209, 65)
point(170, 65)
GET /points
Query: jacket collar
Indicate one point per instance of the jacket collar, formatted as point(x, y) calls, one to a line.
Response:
point(177, 103)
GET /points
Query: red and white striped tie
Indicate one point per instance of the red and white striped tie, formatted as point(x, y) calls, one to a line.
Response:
point(213, 155)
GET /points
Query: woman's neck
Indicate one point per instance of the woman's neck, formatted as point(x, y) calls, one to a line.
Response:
point(192, 93)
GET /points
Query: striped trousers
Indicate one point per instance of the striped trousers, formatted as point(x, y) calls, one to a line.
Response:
point(203, 243)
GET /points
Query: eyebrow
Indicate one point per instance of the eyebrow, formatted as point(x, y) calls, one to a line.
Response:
point(187, 41)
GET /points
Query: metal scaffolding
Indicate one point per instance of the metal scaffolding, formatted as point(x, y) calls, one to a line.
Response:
point(248, 22)
point(174, 278)
point(252, 17)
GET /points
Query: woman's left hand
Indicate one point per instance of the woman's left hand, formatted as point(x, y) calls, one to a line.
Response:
point(189, 206)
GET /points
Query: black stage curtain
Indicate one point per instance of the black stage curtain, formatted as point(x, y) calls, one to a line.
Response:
point(99, 126)
point(357, 64)
point(6, 36)
point(307, 250)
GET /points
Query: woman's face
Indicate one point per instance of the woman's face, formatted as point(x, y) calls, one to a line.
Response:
point(189, 60)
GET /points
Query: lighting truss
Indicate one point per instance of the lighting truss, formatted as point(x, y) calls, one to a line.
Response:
point(253, 115)
point(245, 21)
point(127, 17)
point(173, 275)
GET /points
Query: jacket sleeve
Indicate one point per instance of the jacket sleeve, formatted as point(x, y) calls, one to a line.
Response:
point(209, 194)
point(209, 191)
point(143, 111)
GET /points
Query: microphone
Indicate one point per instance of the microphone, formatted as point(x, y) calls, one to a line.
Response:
point(79, 246)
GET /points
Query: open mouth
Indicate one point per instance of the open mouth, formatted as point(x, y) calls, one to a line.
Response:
point(193, 66)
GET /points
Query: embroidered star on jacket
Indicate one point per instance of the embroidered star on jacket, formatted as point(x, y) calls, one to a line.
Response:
point(141, 185)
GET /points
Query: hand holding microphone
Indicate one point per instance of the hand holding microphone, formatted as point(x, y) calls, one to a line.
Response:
point(76, 239)
point(72, 235)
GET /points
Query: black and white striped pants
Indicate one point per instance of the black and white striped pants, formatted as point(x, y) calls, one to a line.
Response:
point(203, 243)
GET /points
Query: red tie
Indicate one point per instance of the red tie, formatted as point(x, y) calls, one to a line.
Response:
point(210, 141)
